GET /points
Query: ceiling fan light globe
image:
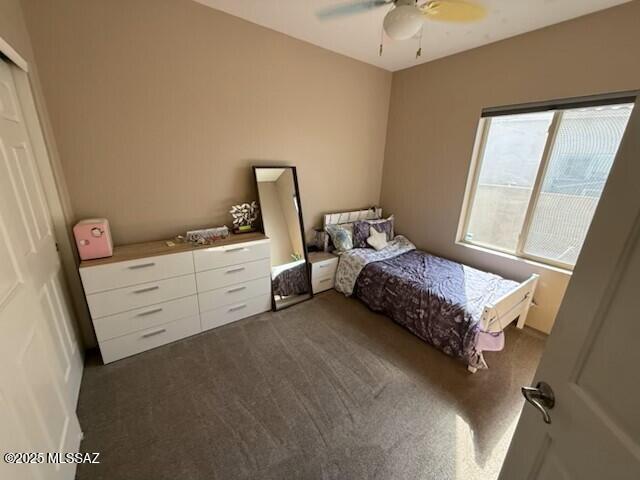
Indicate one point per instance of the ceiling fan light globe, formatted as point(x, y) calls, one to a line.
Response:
point(402, 22)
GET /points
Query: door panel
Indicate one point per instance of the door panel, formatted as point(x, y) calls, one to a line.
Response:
point(14, 212)
point(13, 433)
point(67, 342)
point(40, 360)
point(605, 365)
point(9, 279)
point(53, 322)
point(8, 105)
point(30, 181)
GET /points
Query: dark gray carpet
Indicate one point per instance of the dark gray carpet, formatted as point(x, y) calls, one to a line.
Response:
point(323, 390)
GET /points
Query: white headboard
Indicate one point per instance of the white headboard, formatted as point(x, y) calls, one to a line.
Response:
point(347, 217)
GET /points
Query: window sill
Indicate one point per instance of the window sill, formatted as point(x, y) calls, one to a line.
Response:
point(516, 258)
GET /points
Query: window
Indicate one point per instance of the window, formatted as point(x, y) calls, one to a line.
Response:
point(538, 178)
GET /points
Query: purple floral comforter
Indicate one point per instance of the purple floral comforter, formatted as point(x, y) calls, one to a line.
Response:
point(291, 281)
point(438, 300)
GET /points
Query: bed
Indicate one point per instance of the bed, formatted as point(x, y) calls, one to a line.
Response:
point(458, 309)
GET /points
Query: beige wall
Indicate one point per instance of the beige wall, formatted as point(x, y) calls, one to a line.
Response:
point(434, 114)
point(13, 29)
point(160, 107)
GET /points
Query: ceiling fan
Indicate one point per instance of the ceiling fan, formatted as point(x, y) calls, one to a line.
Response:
point(406, 17)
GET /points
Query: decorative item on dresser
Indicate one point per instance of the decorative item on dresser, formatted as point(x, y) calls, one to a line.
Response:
point(244, 216)
point(151, 294)
point(323, 270)
point(93, 238)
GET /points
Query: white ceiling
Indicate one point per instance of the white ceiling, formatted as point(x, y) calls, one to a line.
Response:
point(358, 36)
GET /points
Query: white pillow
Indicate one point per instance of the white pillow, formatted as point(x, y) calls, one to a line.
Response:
point(377, 240)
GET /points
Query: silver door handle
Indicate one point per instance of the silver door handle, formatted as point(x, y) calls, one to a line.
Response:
point(149, 312)
point(142, 265)
point(148, 289)
point(233, 270)
point(157, 332)
point(541, 396)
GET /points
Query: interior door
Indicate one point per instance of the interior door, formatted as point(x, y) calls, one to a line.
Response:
point(40, 360)
point(592, 357)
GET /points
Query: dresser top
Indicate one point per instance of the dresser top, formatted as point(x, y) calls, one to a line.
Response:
point(133, 251)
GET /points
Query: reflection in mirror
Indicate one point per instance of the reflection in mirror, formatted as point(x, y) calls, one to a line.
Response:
point(282, 223)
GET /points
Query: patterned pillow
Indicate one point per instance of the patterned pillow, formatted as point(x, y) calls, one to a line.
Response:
point(361, 230)
point(341, 236)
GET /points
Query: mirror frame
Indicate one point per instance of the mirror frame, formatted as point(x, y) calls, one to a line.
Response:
point(294, 173)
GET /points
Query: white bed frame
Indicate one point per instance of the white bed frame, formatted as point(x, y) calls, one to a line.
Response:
point(513, 305)
point(372, 213)
point(496, 316)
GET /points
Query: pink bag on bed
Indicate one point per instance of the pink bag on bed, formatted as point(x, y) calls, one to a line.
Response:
point(492, 342)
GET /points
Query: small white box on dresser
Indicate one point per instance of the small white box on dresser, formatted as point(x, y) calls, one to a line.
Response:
point(323, 270)
point(148, 295)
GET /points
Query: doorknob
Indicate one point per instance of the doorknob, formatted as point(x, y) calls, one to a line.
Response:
point(541, 397)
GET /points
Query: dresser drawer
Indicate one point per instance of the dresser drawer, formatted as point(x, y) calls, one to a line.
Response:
point(232, 274)
point(218, 257)
point(234, 293)
point(143, 318)
point(231, 313)
point(133, 272)
point(123, 299)
point(321, 284)
point(137, 342)
point(324, 269)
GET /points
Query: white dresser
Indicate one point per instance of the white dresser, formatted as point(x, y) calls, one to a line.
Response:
point(150, 294)
point(323, 270)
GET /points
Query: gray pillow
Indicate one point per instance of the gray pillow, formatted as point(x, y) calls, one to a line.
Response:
point(361, 230)
point(341, 236)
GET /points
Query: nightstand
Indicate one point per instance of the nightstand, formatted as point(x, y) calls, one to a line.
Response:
point(323, 270)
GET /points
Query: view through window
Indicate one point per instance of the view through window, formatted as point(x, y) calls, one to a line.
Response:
point(539, 178)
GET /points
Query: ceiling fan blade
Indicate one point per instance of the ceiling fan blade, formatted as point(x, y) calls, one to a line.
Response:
point(454, 11)
point(351, 8)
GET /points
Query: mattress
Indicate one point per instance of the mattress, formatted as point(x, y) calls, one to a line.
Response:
point(438, 300)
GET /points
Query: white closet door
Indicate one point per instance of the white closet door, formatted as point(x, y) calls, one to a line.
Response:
point(40, 360)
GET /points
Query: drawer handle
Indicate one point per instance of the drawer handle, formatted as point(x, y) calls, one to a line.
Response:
point(148, 289)
point(324, 280)
point(234, 270)
point(239, 249)
point(237, 289)
point(142, 265)
point(324, 266)
point(157, 332)
point(150, 312)
point(239, 307)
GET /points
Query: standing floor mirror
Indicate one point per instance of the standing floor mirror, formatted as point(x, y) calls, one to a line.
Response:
point(281, 216)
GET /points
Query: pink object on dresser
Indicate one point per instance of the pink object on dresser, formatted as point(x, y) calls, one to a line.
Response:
point(93, 238)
